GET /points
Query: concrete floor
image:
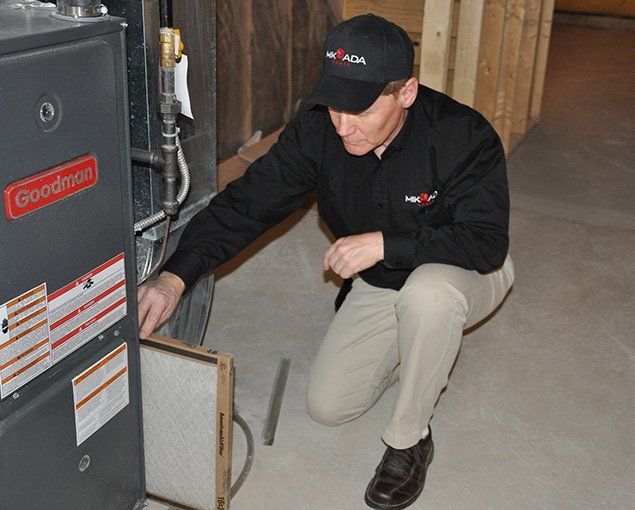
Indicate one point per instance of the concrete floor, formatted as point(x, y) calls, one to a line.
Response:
point(540, 409)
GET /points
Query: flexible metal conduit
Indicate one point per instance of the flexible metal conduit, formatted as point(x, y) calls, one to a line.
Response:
point(180, 197)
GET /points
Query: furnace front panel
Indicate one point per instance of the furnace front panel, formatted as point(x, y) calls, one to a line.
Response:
point(70, 429)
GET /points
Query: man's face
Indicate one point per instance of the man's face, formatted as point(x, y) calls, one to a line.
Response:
point(368, 130)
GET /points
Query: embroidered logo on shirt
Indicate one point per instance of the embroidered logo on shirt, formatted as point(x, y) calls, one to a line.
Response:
point(423, 199)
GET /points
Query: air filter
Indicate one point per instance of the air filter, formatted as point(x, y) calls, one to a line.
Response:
point(187, 395)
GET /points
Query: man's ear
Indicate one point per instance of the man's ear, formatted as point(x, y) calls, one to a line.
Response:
point(408, 93)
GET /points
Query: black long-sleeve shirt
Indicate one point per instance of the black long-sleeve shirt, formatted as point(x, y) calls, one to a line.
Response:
point(438, 194)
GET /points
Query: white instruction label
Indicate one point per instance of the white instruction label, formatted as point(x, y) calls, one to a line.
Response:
point(24, 339)
point(100, 392)
point(87, 306)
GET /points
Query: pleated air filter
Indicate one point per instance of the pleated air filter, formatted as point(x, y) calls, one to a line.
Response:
point(187, 394)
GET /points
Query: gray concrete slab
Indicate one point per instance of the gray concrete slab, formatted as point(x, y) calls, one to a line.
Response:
point(540, 409)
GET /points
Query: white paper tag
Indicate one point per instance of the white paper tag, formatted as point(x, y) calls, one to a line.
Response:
point(180, 85)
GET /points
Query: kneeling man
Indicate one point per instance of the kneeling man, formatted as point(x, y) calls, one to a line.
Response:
point(413, 186)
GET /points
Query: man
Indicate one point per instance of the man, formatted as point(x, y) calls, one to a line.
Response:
point(413, 185)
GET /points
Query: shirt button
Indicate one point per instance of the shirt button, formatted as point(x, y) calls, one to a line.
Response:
point(380, 205)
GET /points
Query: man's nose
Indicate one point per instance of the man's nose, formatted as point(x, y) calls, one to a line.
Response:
point(345, 126)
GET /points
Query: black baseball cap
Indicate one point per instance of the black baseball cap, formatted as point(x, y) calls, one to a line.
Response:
point(362, 55)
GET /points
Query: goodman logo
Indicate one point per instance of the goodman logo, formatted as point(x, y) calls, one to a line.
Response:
point(50, 186)
point(342, 58)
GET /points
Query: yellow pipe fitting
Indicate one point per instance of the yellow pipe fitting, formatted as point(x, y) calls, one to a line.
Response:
point(166, 37)
point(178, 46)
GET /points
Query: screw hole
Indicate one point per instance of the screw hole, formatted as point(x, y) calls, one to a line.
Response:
point(84, 463)
point(47, 112)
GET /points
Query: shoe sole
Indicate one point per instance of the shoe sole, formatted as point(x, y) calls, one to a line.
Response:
point(406, 504)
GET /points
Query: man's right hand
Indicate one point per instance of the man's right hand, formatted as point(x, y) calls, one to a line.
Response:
point(157, 301)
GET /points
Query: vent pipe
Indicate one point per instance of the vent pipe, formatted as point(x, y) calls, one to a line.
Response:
point(81, 8)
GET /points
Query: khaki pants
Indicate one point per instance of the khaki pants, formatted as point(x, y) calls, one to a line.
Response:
point(413, 335)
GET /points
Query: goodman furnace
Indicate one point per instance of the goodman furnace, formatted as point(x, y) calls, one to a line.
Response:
point(70, 423)
point(71, 427)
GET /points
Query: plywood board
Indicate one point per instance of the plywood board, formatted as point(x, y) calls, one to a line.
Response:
point(405, 13)
point(310, 24)
point(234, 63)
point(610, 7)
point(271, 49)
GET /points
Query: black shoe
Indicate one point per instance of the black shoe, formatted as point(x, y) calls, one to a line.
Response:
point(400, 476)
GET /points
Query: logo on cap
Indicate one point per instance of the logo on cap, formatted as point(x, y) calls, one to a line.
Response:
point(342, 58)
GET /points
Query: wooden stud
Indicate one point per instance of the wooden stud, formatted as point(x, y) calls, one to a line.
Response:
point(514, 17)
point(542, 51)
point(452, 51)
point(489, 61)
point(435, 43)
point(467, 51)
point(524, 78)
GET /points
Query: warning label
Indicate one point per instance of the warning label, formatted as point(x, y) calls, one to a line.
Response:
point(87, 306)
point(100, 392)
point(24, 339)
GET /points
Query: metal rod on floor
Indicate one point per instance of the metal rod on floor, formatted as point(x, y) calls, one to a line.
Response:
point(275, 402)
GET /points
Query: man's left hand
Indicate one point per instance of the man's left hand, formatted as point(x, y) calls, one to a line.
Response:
point(352, 254)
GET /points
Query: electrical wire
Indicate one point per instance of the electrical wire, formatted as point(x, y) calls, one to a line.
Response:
point(166, 233)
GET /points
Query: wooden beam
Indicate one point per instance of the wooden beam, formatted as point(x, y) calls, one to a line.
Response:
point(514, 21)
point(435, 43)
point(489, 62)
point(542, 51)
point(467, 51)
point(525, 75)
point(449, 82)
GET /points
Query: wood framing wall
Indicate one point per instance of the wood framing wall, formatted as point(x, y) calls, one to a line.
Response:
point(488, 54)
point(269, 55)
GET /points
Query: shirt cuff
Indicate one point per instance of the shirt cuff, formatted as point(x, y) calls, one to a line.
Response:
point(399, 249)
point(186, 266)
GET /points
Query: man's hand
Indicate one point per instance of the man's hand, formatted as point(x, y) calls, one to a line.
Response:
point(157, 301)
point(352, 254)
